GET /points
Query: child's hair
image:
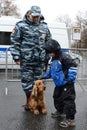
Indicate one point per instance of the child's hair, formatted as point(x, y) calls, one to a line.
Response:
point(52, 46)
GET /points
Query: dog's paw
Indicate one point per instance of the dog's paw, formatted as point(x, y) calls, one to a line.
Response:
point(36, 112)
point(44, 111)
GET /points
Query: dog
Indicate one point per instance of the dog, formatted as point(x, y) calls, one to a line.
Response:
point(36, 101)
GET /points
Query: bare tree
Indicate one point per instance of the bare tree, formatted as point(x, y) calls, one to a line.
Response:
point(10, 9)
point(64, 18)
point(81, 21)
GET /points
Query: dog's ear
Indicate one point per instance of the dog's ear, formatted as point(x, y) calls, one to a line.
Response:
point(34, 92)
point(42, 82)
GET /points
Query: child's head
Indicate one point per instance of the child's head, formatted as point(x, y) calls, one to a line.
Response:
point(52, 47)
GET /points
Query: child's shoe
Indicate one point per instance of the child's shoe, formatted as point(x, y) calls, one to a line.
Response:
point(57, 114)
point(67, 123)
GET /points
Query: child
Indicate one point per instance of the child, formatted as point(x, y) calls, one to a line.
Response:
point(63, 71)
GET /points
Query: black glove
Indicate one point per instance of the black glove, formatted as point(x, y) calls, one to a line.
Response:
point(69, 82)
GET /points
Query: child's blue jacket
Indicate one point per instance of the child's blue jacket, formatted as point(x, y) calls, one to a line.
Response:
point(56, 73)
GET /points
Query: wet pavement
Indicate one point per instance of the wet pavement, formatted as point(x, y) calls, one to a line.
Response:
point(14, 117)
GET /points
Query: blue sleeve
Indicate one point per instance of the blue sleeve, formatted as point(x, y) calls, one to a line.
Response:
point(47, 74)
point(57, 73)
point(72, 73)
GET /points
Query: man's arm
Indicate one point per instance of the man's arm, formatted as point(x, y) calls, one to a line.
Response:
point(15, 44)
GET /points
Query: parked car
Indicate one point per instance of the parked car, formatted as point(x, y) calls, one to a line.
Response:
point(77, 58)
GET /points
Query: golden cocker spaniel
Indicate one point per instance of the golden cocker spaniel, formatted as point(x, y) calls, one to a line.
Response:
point(36, 101)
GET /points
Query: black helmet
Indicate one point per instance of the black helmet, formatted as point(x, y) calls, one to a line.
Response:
point(52, 46)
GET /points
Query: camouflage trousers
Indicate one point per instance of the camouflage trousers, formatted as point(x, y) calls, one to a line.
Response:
point(29, 74)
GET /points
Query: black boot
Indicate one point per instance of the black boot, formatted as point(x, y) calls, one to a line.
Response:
point(27, 101)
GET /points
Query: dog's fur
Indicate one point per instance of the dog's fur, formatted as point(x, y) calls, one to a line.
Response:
point(36, 101)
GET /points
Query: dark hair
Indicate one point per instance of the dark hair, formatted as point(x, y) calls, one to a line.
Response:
point(52, 46)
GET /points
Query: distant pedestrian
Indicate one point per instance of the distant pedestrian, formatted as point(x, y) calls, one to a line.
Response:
point(27, 40)
point(63, 71)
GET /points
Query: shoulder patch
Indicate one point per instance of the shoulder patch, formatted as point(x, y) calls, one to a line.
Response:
point(43, 36)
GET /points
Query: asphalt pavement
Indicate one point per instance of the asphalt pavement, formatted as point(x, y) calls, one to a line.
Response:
point(14, 117)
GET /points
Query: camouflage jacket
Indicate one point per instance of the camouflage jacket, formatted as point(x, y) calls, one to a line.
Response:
point(27, 39)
